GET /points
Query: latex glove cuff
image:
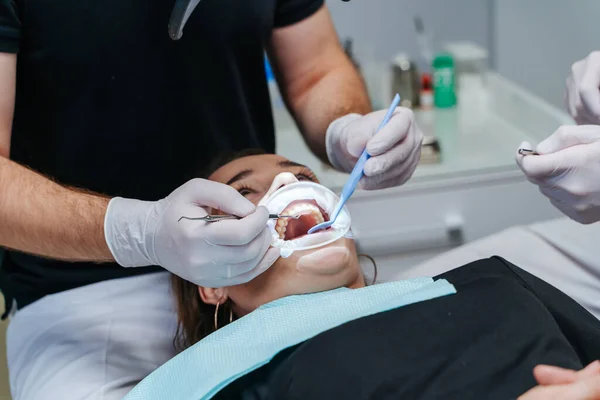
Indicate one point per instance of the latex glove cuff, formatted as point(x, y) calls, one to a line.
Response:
point(126, 226)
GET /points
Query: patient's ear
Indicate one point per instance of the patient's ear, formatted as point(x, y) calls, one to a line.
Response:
point(212, 295)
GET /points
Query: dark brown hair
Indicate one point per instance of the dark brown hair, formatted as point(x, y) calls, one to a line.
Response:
point(195, 317)
point(225, 158)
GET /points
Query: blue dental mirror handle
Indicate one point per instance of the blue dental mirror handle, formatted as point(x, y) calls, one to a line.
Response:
point(356, 174)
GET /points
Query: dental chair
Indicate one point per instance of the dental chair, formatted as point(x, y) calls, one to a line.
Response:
point(562, 252)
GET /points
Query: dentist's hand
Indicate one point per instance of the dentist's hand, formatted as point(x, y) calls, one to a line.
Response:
point(395, 150)
point(567, 171)
point(583, 90)
point(225, 253)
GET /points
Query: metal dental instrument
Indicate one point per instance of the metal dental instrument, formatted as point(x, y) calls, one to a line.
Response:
point(355, 175)
point(180, 15)
point(528, 152)
point(217, 218)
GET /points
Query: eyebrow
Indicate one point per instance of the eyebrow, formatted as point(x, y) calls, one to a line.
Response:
point(247, 172)
point(240, 176)
point(288, 163)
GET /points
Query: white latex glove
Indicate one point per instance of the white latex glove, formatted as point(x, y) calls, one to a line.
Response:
point(582, 96)
point(395, 150)
point(225, 253)
point(567, 171)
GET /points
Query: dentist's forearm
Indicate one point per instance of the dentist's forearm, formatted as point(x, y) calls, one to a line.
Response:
point(318, 81)
point(40, 217)
point(338, 92)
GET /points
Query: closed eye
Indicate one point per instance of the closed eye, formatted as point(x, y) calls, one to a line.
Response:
point(307, 175)
point(245, 190)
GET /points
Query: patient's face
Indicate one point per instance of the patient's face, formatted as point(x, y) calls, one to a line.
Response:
point(308, 271)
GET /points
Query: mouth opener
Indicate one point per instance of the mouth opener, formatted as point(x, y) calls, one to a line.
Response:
point(217, 218)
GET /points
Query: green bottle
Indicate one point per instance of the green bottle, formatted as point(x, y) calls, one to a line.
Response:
point(444, 87)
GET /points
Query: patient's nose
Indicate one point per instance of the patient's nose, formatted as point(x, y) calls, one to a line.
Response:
point(282, 179)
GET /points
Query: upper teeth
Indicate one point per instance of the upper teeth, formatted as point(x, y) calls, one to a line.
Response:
point(298, 209)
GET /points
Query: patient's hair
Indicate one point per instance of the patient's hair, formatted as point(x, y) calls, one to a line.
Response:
point(225, 158)
point(196, 318)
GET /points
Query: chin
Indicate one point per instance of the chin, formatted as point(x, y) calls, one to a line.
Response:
point(309, 271)
point(333, 266)
point(324, 268)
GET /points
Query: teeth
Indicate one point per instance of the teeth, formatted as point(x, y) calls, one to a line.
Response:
point(298, 209)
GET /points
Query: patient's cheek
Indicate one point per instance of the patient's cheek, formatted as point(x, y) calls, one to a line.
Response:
point(329, 260)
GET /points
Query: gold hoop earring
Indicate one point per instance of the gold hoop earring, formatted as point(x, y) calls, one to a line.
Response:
point(216, 315)
point(374, 266)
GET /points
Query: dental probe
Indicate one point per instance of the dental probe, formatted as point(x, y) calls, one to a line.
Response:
point(216, 218)
point(355, 175)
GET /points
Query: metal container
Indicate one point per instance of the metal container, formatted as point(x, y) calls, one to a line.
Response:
point(405, 81)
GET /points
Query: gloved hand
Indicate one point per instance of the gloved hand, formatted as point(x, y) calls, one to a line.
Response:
point(395, 150)
point(583, 90)
point(224, 253)
point(567, 171)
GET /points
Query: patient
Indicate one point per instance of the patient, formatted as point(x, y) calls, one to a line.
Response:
point(482, 342)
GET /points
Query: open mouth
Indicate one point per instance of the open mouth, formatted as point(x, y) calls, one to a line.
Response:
point(310, 213)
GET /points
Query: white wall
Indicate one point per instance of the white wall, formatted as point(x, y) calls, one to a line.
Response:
point(386, 26)
point(536, 41)
point(533, 42)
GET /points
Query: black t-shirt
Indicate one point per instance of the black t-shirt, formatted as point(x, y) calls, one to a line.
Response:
point(106, 101)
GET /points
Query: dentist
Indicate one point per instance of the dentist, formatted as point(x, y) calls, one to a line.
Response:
point(102, 115)
point(567, 170)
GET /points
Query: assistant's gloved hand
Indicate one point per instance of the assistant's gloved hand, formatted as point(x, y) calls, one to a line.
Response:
point(583, 90)
point(567, 171)
point(395, 150)
point(217, 254)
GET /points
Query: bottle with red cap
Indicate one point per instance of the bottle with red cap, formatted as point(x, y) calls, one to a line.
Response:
point(426, 95)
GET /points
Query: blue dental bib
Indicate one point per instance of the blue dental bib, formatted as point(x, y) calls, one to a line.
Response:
point(250, 342)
